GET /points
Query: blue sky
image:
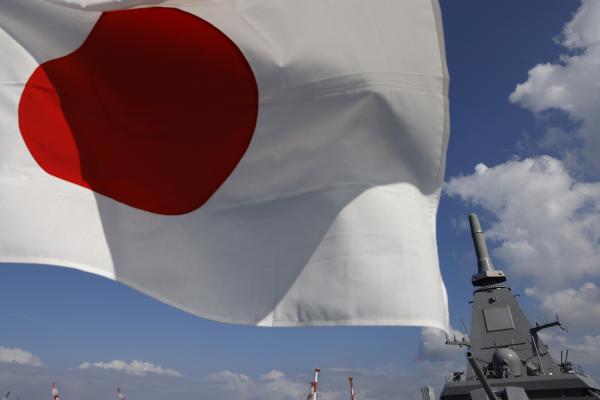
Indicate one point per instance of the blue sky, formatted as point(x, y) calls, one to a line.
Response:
point(533, 150)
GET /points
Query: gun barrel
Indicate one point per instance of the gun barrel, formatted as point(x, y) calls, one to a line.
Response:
point(486, 273)
point(484, 262)
point(482, 379)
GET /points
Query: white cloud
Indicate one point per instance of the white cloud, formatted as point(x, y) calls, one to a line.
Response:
point(233, 381)
point(272, 375)
point(579, 308)
point(433, 345)
point(584, 351)
point(137, 368)
point(556, 138)
point(278, 386)
point(274, 385)
point(570, 85)
point(19, 356)
point(548, 225)
point(583, 29)
point(435, 359)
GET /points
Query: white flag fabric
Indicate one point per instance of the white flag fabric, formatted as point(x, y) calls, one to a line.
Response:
point(266, 162)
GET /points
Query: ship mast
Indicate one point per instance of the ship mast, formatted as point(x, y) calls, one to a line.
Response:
point(507, 358)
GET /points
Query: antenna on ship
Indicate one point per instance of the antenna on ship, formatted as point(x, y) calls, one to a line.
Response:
point(312, 395)
point(352, 392)
point(6, 397)
point(55, 394)
point(120, 395)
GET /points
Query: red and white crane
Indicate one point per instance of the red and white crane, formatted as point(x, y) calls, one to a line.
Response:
point(352, 392)
point(55, 394)
point(312, 395)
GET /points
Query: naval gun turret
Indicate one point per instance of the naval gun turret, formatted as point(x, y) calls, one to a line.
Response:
point(507, 359)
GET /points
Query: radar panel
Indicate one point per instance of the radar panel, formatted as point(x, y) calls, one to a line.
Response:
point(498, 319)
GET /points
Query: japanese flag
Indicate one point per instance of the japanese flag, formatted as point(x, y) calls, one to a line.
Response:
point(268, 162)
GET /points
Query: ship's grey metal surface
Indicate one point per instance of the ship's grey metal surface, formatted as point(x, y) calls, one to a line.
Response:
point(507, 348)
point(504, 393)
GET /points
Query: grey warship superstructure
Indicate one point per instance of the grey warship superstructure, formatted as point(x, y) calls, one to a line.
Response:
point(507, 359)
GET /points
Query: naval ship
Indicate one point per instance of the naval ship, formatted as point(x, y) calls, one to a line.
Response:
point(507, 358)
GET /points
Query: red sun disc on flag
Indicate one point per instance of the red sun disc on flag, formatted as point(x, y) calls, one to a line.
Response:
point(155, 110)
